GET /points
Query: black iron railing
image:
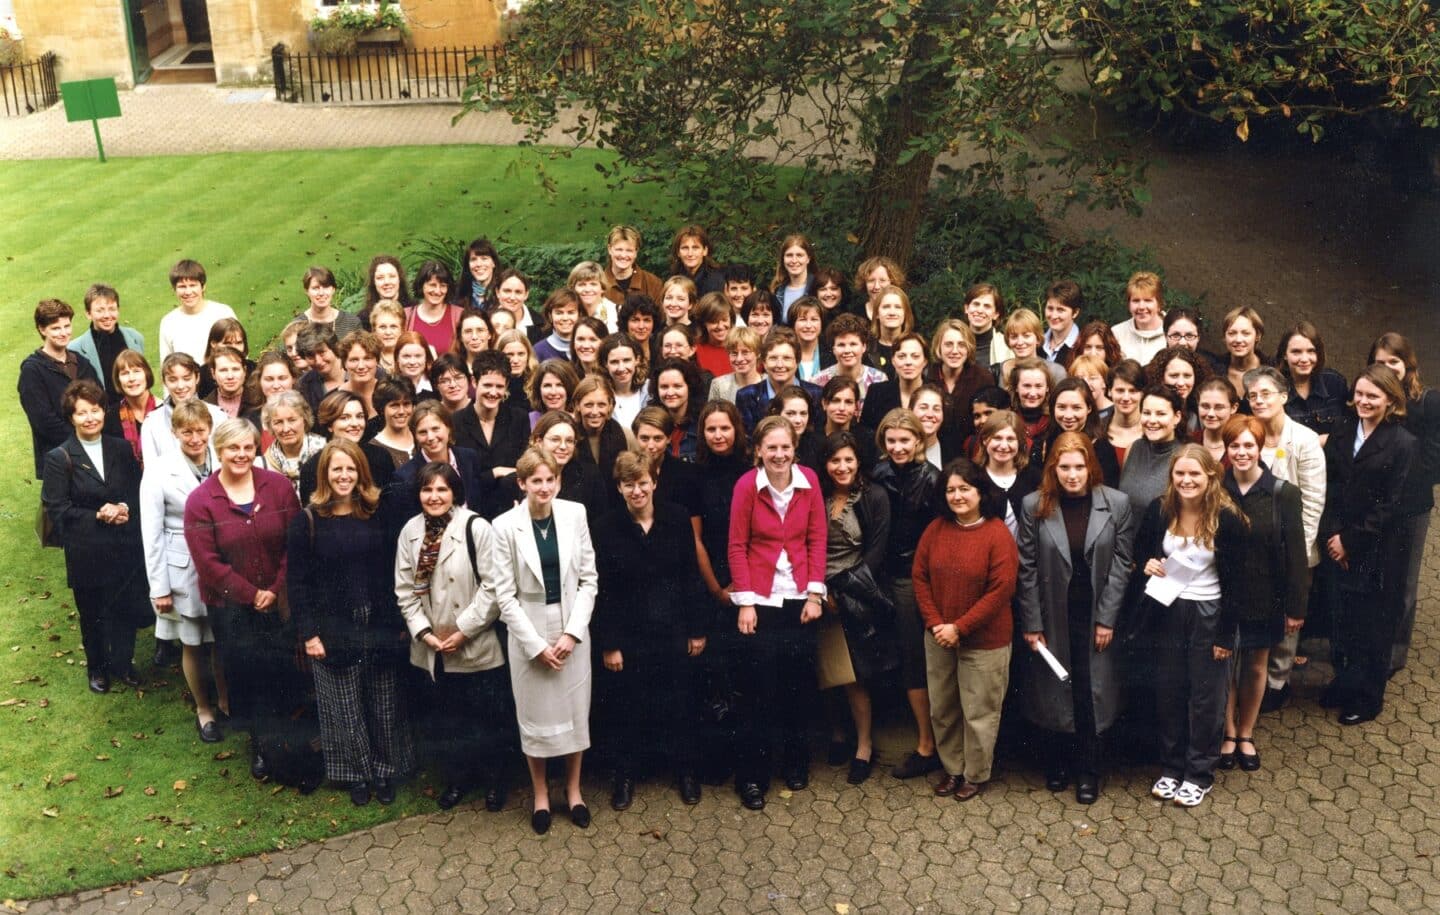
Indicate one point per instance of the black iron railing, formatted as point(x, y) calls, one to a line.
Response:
point(378, 74)
point(29, 86)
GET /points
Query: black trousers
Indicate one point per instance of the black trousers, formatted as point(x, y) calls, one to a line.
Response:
point(650, 709)
point(777, 680)
point(266, 685)
point(109, 617)
point(1079, 752)
point(1190, 690)
point(469, 728)
point(1364, 627)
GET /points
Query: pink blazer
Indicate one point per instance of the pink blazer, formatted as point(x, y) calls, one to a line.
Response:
point(757, 535)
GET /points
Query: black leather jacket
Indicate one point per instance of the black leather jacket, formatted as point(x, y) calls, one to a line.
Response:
point(911, 490)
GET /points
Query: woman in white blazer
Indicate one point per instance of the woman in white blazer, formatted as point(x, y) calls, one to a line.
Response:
point(174, 590)
point(1294, 454)
point(546, 584)
point(445, 586)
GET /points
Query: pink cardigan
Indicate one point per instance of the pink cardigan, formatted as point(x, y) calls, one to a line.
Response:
point(757, 535)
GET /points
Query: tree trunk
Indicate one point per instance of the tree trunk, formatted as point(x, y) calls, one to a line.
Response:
point(895, 193)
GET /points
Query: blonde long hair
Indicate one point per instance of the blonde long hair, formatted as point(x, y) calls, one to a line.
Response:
point(1213, 502)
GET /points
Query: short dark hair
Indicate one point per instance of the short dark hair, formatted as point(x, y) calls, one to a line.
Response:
point(76, 391)
point(971, 473)
point(99, 291)
point(992, 396)
point(313, 337)
point(431, 270)
point(490, 362)
point(441, 470)
point(187, 269)
point(48, 311)
point(390, 389)
point(448, 362)
point(321, 275)
point(1067, 293)
point(739, 273)
point(642, 303)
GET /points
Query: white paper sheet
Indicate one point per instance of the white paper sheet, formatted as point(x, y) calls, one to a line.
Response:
point(1177, 577)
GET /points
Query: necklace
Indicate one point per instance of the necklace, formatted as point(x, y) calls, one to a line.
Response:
point(543, 530)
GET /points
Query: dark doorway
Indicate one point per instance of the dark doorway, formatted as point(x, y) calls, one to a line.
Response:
point(197, 21)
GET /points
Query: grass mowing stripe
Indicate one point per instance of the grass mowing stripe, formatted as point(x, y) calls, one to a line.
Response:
point(71, 223)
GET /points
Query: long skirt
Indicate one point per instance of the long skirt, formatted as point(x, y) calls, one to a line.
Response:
point(552, 707)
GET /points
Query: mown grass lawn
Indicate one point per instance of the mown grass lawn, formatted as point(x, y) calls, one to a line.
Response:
point(96, 790)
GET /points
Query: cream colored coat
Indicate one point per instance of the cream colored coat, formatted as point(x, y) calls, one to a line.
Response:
point(456, 600)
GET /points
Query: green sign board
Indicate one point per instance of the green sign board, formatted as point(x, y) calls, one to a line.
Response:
point(90, 100)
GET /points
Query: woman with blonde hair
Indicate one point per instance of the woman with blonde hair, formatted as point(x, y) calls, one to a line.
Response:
point(1194, 533)
point(342, 597)
point(520, 358)
point(545, 583)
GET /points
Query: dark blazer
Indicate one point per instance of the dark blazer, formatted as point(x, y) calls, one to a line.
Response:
point(1229, 553)
point(650, 596)
point(1364, 495)
point(1277, 573)
point(1044, 598)
point(1325, 408)
point(507, 442)
point(753, 399)
point(612, 443)
point(1422, 420)
point(42, 383)
point(400, 499)
point(97, 555)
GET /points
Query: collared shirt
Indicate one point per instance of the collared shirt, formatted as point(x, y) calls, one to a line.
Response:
point(1051, 352)
point(783, 586)
point(1360, 437)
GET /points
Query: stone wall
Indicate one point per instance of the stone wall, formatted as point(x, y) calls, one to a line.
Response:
point(90, 38)
point(87, 35)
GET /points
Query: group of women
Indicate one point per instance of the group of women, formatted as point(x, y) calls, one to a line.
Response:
point(710, 503)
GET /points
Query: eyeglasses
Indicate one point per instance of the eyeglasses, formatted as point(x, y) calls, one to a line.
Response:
point(1261, 396)
point(1182, 338)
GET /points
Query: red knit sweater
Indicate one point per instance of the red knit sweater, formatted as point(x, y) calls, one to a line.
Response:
point(966, 576)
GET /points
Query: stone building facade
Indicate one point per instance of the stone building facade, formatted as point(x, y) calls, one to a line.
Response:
point(144, 40)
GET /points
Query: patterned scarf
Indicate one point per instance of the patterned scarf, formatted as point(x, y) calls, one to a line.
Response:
point(430, 550)
point(276, 460)
point(130, 425)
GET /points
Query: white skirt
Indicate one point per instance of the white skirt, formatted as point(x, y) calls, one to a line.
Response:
point(552, 707)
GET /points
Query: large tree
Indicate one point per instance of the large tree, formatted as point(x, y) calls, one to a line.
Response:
point(710, 92)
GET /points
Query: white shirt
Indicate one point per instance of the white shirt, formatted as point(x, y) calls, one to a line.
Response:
point(185, 333)
point(783, 587)
point(1070, 341)
point(1206, 583)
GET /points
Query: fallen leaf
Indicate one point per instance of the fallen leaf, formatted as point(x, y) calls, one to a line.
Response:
point(51, 811)
point(68, 777)
point(115, 791)
point(138, 735)
point(842, 908)
point(252, 898)
point(149, 791)
point(160, 843)
point(9, 702)
point(224, 754)
point(44, 703)
point(180, 784)
point(184, 879)
point(103, 757)
point(115, 742)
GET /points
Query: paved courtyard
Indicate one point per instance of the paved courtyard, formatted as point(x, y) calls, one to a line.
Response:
point(1338, 820)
